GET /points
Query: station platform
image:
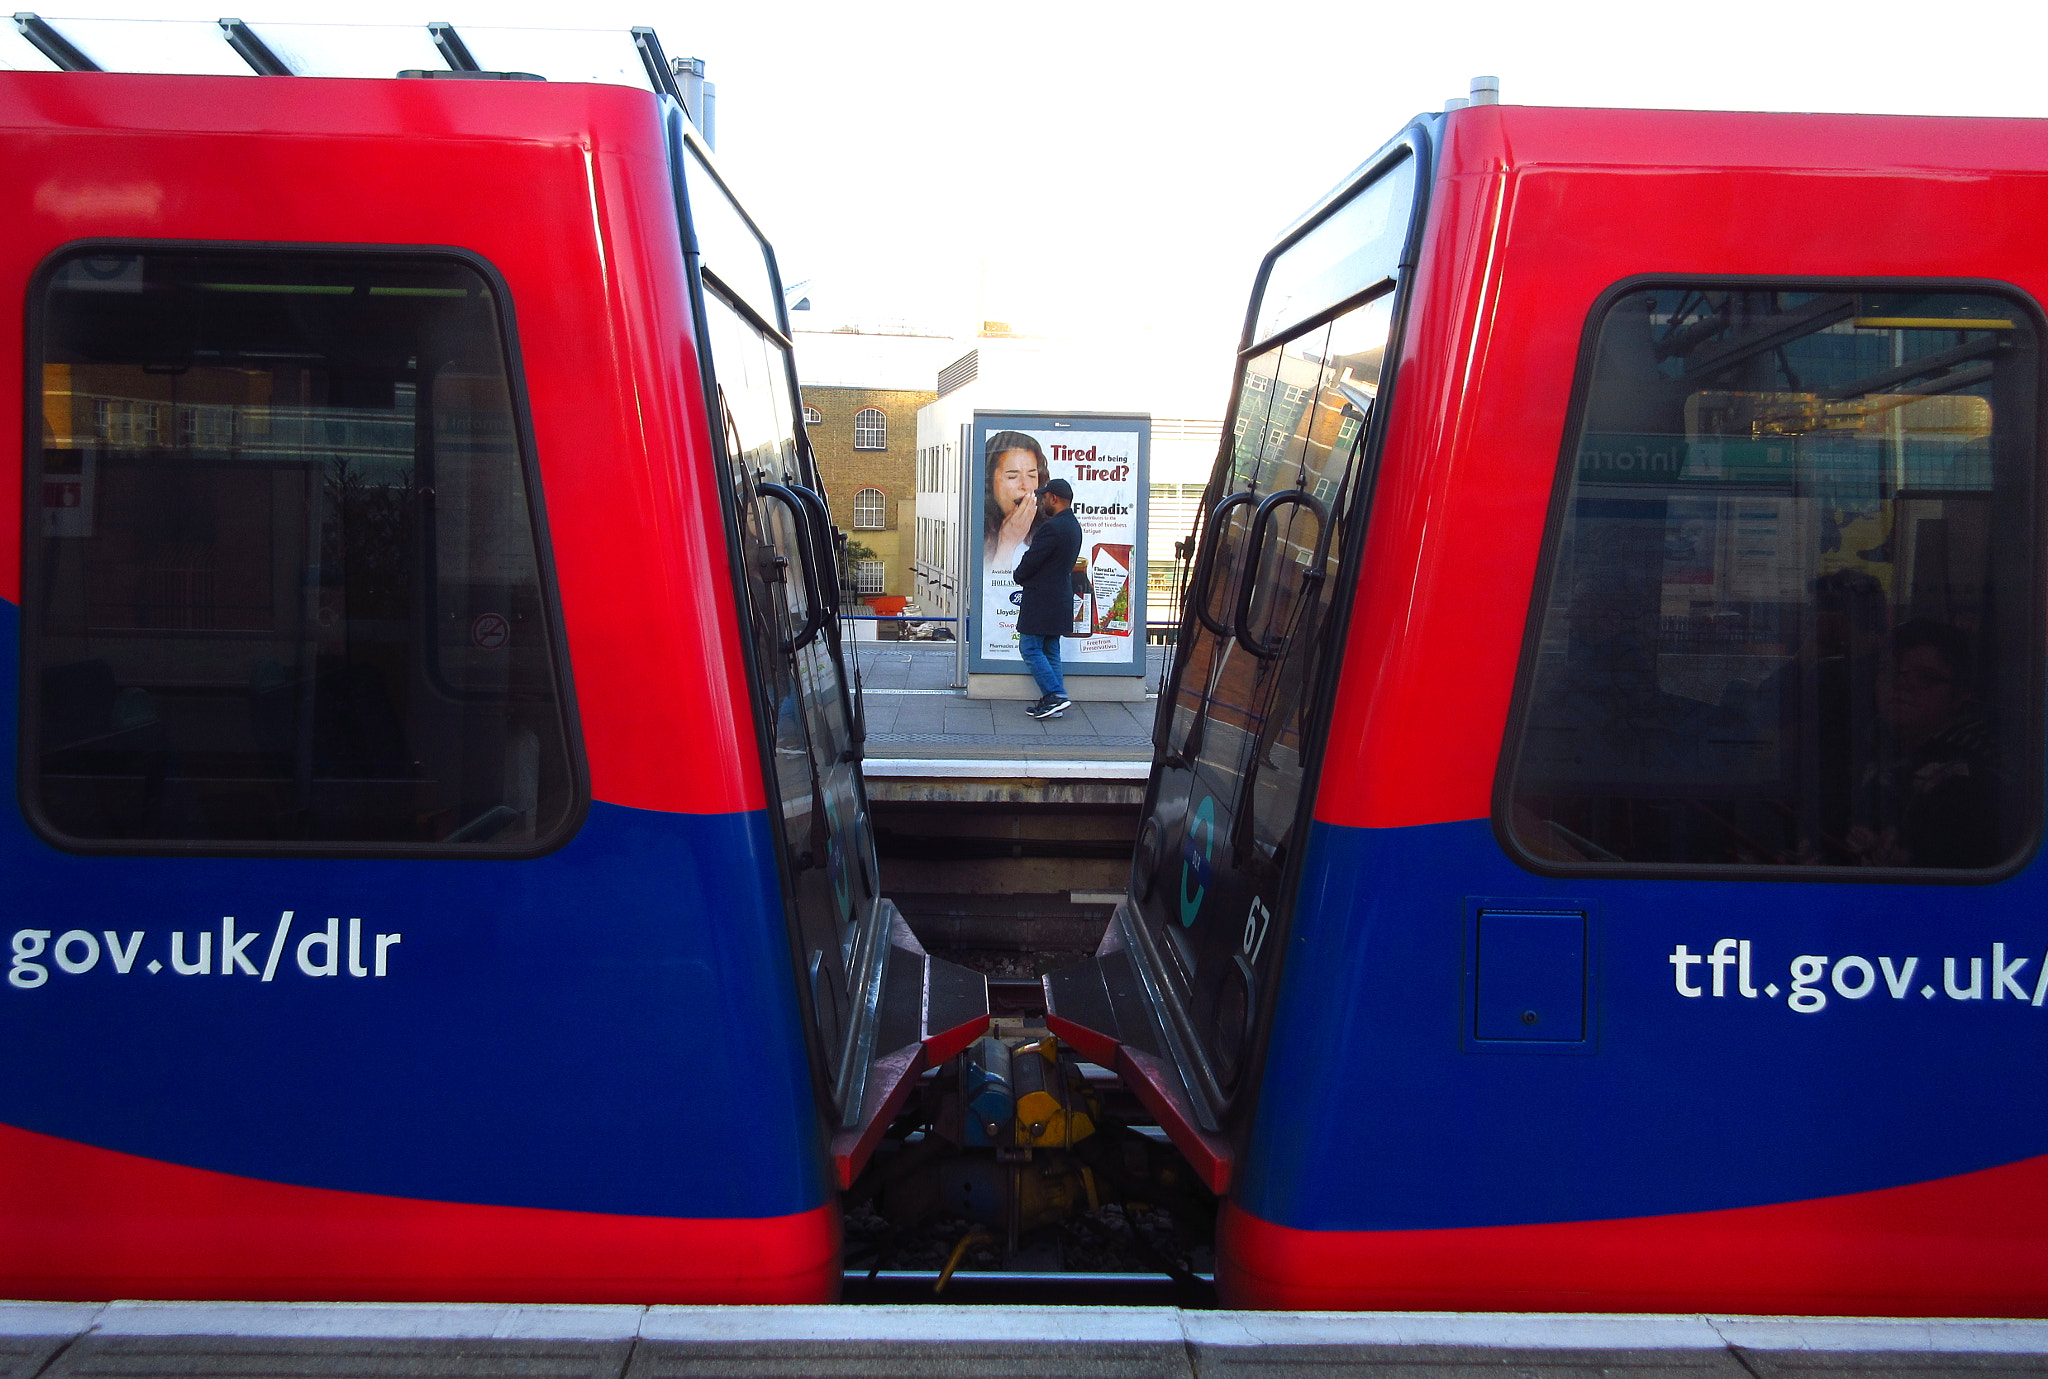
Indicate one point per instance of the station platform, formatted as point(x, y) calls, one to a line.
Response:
point(144, 1340)
point(929, 743)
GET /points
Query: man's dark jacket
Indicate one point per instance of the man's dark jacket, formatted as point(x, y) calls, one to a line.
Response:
point(1045, 574)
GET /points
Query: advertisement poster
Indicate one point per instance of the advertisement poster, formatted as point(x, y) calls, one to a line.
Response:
point(1106, 460)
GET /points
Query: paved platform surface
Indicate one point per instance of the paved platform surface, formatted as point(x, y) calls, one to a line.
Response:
point(914, 715)
point(142, 1340)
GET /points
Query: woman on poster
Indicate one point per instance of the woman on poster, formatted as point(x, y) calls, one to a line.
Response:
point(1015, 470)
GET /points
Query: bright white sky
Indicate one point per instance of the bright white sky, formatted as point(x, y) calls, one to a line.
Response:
point(1091, 167)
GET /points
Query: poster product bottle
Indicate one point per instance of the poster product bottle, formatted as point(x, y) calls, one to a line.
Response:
point(1084, 599)
point(1109, 577)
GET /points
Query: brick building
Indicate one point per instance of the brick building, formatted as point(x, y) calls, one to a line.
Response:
point(866, 443)
point(861, 395)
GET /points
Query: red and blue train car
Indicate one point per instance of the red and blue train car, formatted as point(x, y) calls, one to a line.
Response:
point(441, 868)
point(1592, 857)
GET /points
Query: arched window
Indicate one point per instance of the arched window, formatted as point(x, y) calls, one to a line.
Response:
point(870, 510)
point(812, 416)
point(870, 429)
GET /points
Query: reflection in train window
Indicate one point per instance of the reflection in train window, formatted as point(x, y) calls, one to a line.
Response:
point(1790, 616)
point(283, 587)
point(1242, 712)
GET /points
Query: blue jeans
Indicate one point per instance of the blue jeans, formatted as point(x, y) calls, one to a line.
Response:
point(1042, 654)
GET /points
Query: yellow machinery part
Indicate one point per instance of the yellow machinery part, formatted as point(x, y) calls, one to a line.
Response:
point(1051, 1189)
point(1052, 1108)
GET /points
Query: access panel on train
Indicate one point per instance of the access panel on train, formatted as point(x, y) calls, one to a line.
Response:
point(1592, 852)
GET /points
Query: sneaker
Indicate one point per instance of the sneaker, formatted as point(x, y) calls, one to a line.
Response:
point(1052, 706)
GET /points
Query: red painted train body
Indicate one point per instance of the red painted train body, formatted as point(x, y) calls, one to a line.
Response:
point(421, 586)
point(1639, 907)
point(1591, 857)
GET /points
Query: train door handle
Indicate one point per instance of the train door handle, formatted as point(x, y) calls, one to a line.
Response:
point(823, 537)
point(815, 615)
point(1247, 584)
point(1205, 561)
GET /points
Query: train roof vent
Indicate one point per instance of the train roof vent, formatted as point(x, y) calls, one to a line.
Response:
point(232, 47)
point(1485, 91)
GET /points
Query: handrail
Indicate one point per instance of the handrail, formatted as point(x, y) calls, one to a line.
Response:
point(815, 614)
point(821, 538)
point(852, 698)
point(1254, 540)
point(1205, 560)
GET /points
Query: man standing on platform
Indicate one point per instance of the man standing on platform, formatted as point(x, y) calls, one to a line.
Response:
point(1046, 611)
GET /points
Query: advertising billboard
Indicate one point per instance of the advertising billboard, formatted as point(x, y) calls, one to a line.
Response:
point(1106, 459)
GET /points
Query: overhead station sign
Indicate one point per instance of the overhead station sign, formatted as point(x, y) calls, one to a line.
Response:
point(1106, 458)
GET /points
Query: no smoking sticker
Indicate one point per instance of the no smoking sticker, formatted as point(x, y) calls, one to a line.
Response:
point(490, 631)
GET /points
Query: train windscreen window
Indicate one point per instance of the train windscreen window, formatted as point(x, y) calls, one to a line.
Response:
point(1791, 613)
point(283, 588)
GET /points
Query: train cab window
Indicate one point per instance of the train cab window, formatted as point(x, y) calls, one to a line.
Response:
point(283, 589)
point(1791, 612)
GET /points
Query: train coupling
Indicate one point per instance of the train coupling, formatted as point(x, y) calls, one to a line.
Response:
point(1023, 1096)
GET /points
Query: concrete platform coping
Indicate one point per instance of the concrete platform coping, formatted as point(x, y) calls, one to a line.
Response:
point(1003, 768)
point(1026, 1324)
